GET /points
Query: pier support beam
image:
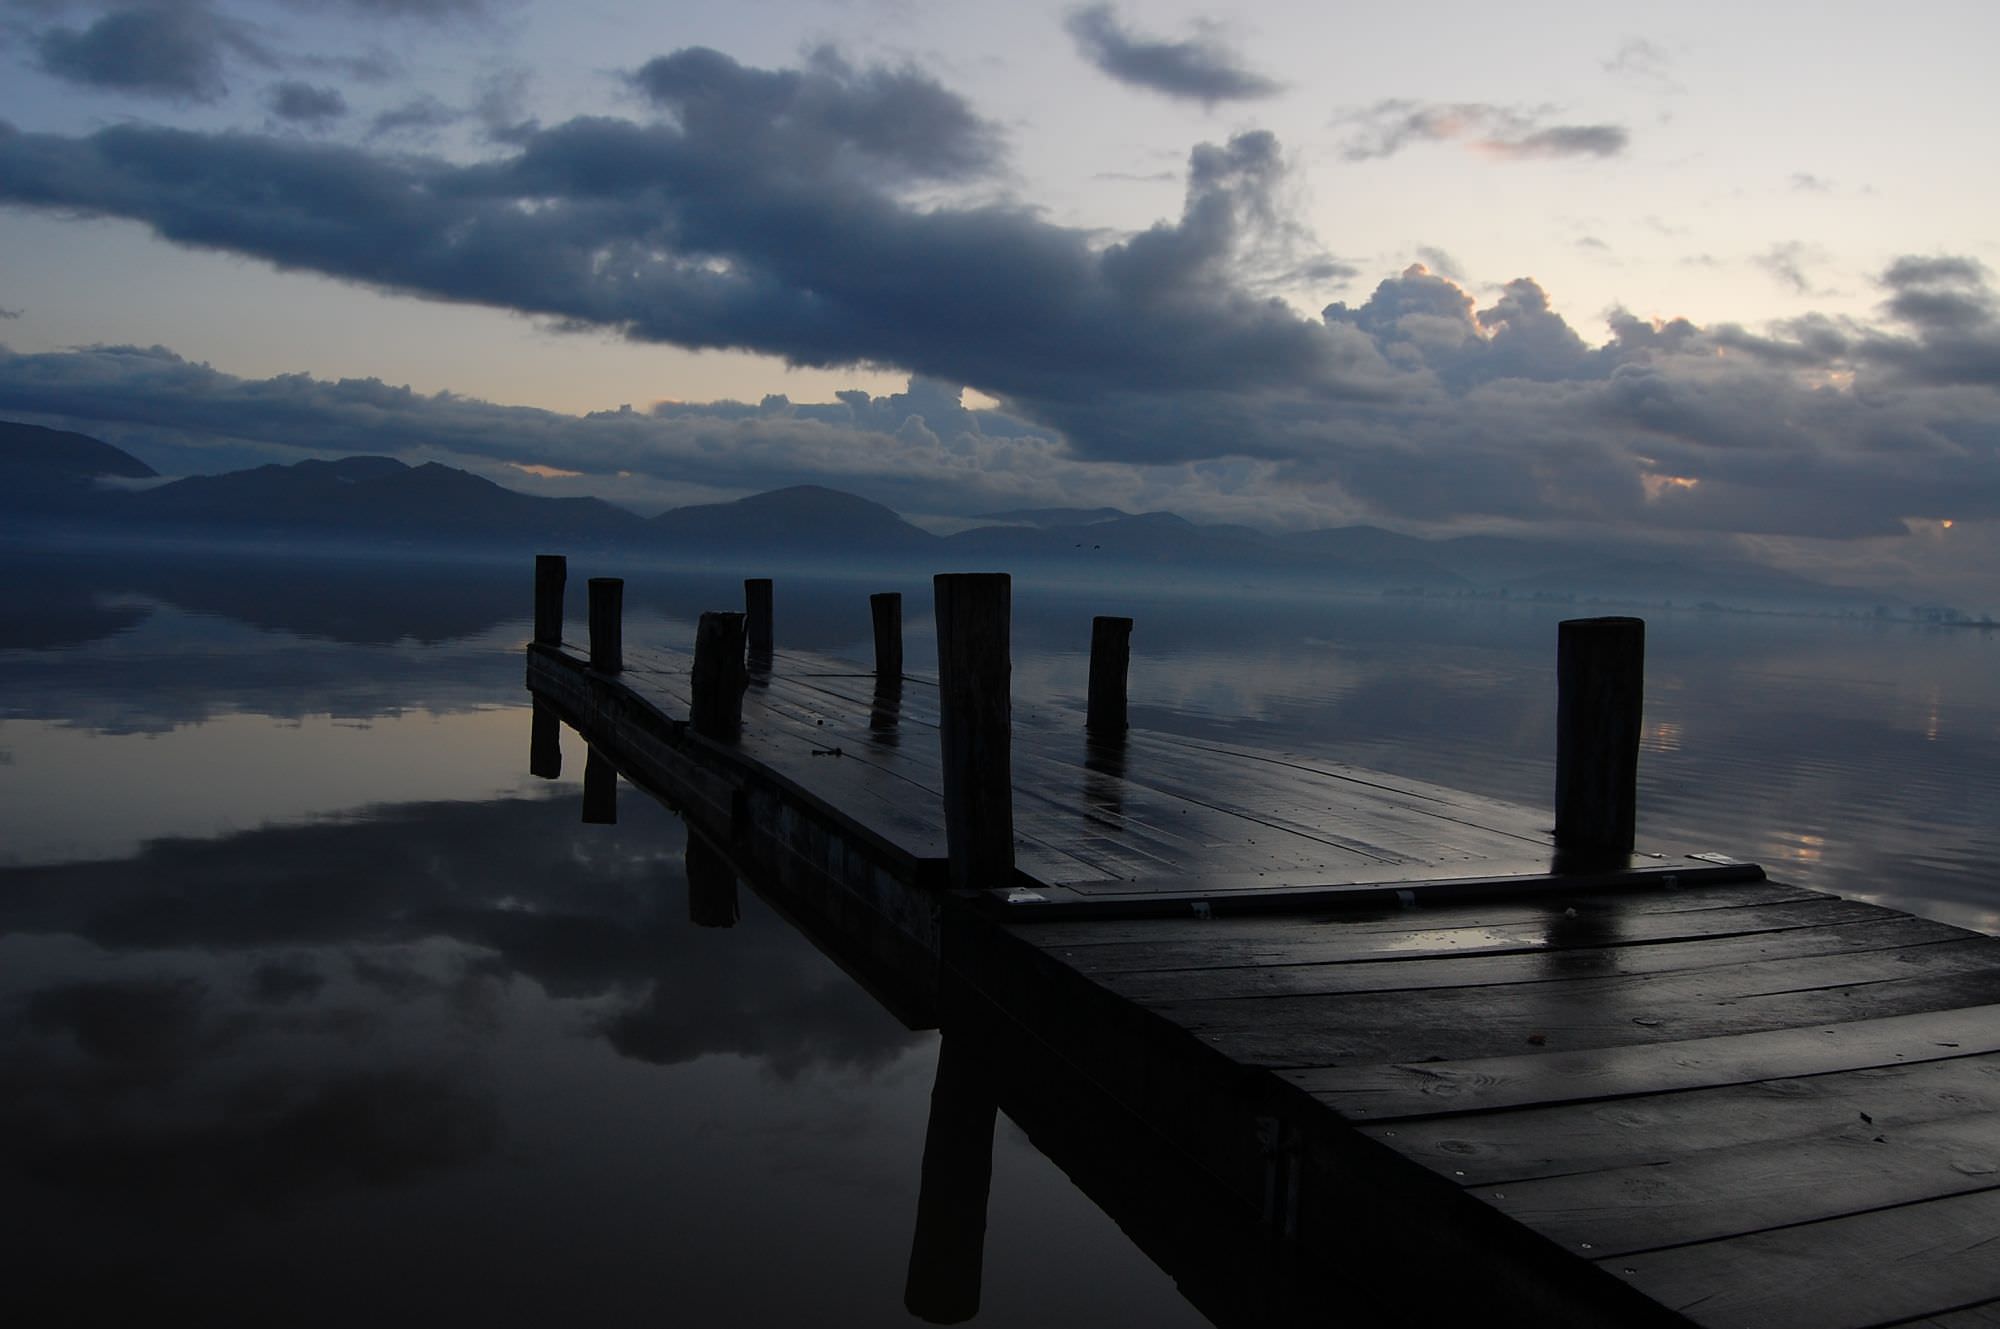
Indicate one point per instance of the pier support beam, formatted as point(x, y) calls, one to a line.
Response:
point(1600, 688)
point(886, 608)
point(607, 624)
point(551, 573)
point(545, 742)
point(758, 637)
point(600, 790)
point(974, 613)
point(718, 678)
point(948, 1251)
point(1110, 661)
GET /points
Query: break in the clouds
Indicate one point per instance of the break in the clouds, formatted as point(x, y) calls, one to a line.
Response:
point(1505, 132)
point(176, 51)
point(1198, 68)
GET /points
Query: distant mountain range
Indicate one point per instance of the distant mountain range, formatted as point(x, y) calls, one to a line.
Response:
point(72, 479)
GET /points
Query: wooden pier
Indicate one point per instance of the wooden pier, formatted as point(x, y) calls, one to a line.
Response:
point(1396, 1039)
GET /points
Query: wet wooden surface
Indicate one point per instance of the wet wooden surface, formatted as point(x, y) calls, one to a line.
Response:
point(1752, 1104)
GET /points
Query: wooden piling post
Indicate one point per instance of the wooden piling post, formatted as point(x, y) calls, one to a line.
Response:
point(948, 1249)
point(718, 678)
point(607, 624)
point(757, 634)
point(1110, 661)
point(974, 611)
point(545, 742)
point(886, 608)
point(551, 573)
point(600, 790)
point(1600, 689)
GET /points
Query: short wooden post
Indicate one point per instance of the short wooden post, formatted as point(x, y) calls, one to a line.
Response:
point(607, 624)
point(718, 678)
point(886, 608)
point(948, 1250)
point(1600, 688)
point(711, 881)
point(974, 611)
point(600, 790)
point(545, 742)
point(551, 573)
point(1110, 661)
point(757, 635)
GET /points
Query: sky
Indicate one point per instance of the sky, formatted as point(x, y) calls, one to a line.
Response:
point(1721, 275)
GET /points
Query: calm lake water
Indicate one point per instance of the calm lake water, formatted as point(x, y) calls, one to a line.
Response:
point(314, 1007)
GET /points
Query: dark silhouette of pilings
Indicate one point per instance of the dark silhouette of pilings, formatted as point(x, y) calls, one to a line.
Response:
point(718, 678)
point(551, 573)
point(974, 612)
point(607, 624)
point(1600, 689)
point(1110, 661)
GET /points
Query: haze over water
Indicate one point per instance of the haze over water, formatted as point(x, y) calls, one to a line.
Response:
point(315, 1005)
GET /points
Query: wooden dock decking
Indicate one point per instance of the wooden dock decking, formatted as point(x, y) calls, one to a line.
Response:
point(1370, 1011)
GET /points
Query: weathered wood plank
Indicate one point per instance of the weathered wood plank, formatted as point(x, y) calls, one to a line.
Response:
point(1539, 966)
point(1486, 1149)
point(1751, 1188)
point(1386, 1092)
point(1845, 1273)
point(1456, 1025)
point(1219, 943)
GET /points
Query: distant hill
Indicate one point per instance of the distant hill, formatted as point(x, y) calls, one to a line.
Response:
point(59, 475)
point(377, 496)
point(807, 518)
point(52, 471)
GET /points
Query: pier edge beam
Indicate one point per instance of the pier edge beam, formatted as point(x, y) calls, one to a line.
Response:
point(607, 624)
point(551, 575)
point(885, 609)
point(1110, 663)
point(1600, 690)
point(974, 612)
point(757, 629)
point(718, 677)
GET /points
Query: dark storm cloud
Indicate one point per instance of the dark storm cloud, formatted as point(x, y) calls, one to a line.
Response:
point(1507, 132)
point(304, 104)
point(788, 119)
point(171, 50)
point(1199, 68)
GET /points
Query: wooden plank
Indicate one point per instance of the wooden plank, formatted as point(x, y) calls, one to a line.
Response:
point(1456, 1025)
point(1726, 1192)
point(1386, 1092)
point(1538, 966)
point(1600, 910)
point(1985, 1315)
point(1845, 1273)
point(1525, 1143)
point(1218, 943)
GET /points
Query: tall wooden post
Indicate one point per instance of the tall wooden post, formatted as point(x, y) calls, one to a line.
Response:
point(545, 742)
point(886, 608)
point(757, 617)
point(974, 612)
point(607, 624)
point(1600, 688)
point(1110, 660)
point(551, 572)
point(600, 790)
point(948, 1250)
point(718, 678)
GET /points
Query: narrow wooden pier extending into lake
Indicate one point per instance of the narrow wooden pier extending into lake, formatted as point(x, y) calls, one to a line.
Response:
point(1404, 1037)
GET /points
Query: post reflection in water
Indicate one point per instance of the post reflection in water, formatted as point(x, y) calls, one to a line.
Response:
point(1104, 774)
point(545, 743)
point(885, 711)
point(600, 790)
point(711, 882)
point(948, 1250)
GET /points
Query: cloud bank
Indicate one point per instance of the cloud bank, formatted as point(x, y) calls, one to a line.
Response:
point(840, 215)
